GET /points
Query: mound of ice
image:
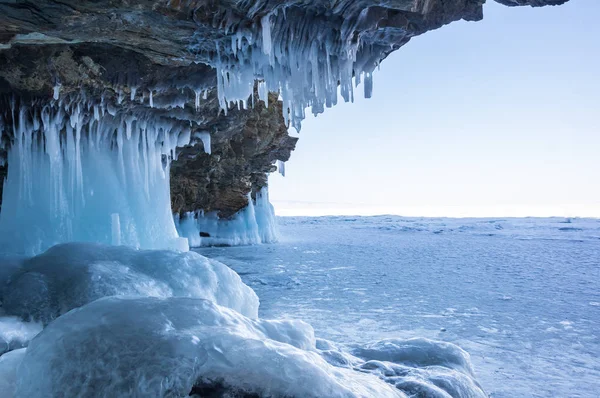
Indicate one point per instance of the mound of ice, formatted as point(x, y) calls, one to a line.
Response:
point(417, 352)
point(253, 225)
point(8, 371)
point(70, 275)
point(117, 347)
point(422, 367)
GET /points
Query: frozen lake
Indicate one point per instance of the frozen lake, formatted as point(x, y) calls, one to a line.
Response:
point(522, 296)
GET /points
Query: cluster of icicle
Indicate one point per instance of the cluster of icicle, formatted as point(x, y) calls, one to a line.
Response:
point(81, 172)
point(254, 224)
point(306, 65)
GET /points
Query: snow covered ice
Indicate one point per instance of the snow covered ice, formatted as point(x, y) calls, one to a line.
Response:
point(176, 346)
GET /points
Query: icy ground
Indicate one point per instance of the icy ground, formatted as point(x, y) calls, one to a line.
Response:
point(112, 321)
point(522, 296)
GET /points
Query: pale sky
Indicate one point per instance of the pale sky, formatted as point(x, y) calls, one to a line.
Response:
point(495, 118)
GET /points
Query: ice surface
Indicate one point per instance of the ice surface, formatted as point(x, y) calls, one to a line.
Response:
point(70, 275)
point(254, 224)
point(171, 347)
point(72, 166)
point(8, 372)
point(521, 295)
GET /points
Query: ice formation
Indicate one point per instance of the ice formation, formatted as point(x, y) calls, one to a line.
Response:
point(308, 67)
point(74, 165)
point(70, 275)
point(254, 224)
point(8, 372)
point(281, 167)
point(182, 346)
point(14, 333)
point(204, 136)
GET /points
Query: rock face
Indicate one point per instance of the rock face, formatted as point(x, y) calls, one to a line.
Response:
point(164, 59)
point(239, 162)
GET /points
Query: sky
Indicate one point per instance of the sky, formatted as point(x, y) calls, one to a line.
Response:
point(499, 117)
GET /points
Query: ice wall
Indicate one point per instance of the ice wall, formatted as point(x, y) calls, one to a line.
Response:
point(81, 172)
point(254, 224)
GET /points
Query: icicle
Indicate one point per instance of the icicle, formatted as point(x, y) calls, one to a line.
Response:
point(56, 91)
point(116, 229)
point(281, 167)
point(263, 93)
point(204, 136)
point(132, 95)
point(197, 102)
point(306, 66)
point(266, 34)
point(368, 85)
point(151, 100)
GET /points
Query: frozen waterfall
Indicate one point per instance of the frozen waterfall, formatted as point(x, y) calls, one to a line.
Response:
point(79, 173)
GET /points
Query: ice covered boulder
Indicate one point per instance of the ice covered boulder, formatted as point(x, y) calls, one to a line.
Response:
point(70, 275)
point(150, 347)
